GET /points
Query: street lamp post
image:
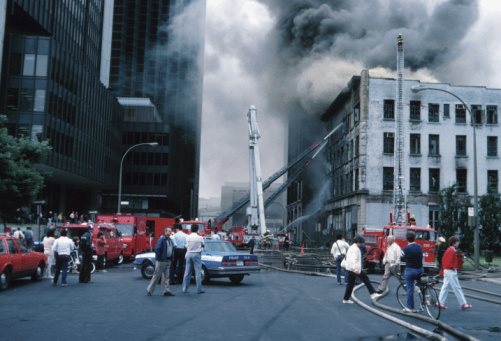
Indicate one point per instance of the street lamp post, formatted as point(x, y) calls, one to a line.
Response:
point(152, 144)
point(476, 237)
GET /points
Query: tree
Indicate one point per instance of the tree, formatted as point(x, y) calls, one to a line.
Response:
point(453, 208)
point(20, 182)
point(490, 220)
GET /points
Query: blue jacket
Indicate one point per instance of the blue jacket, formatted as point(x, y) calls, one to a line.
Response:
point(163, 249)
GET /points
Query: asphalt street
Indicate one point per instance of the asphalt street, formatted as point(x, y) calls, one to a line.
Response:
point(270, 305)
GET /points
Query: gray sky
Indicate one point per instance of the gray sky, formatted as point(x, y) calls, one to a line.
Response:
point(291, 57)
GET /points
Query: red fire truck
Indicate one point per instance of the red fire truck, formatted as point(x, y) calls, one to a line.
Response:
point(139, 233)
point(375, 242)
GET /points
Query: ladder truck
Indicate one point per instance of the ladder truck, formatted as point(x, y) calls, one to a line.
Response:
point(400, 219)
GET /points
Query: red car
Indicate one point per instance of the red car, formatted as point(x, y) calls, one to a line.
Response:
point(17, 261)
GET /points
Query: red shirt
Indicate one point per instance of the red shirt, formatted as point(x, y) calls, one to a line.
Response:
point(450, 260)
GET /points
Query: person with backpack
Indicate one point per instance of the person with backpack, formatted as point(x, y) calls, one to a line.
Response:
point(338, 251)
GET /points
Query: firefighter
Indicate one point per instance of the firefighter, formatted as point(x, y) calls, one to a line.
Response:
point(85, 249)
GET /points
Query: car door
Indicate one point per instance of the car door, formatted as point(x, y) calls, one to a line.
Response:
point(15, 257)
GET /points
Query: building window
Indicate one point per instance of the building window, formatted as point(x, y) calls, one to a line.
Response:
point(415, 146)
point(12, 99)
point(492, 114)
point(446, 111)
point(434, 180)
point(433, 111)
point(41, 70)
point(460, 145)
point(461, 180)
point(415, 184)
point(492, 146)
point(434, 145)
point(389, 143)
point(29, 65)
point(460, 113)
point(434, 215)
point(389, 109)
point(39, 104)
point(415, 114)
point(477, 112)
point(387, 178)
point(492, 181)
point(26, 100)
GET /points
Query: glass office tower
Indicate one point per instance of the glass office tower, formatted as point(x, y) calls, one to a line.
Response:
point(50, 89)
point(157, 54)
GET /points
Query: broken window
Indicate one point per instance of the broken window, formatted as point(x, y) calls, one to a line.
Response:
point(477, 113)
point(387, 178)
point(461, 174)
point(415, 108)
point(460, 145)
point(434, 180)
point(492, 114)
point(434, 145)
point(389, 143)
point(389, 109)
point(446, 111)
point(492, 181)
point(433, 111)
point(415, 183)
point(460, 113)
point(415, 145)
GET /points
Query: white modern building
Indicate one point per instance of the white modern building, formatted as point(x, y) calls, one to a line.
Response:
point(438, 148)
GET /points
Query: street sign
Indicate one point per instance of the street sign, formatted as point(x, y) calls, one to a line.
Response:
point(124, 203)
point(471, 211)
point(39, 202)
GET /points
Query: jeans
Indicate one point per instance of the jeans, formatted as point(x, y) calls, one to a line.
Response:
point(411, 275)
point(339, 269)
point(451, 281)
point(61, 264)
point(193, 259)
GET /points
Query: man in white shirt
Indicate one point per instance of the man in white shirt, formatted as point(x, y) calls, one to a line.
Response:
point(338, 251)
point(391, 261)
point(62, 248)
point(177, 265)
point(194, 245)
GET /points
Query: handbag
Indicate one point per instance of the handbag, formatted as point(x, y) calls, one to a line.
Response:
point(343, 263)
point(342, 256)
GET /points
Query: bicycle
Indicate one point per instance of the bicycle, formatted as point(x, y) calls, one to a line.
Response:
point(425, 291)
point(75, 262)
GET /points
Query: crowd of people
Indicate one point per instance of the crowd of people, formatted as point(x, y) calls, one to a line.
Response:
point(349, 260)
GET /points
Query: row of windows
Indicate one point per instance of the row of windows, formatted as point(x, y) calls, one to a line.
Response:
point(489, 116)
point(61, 143)
point(434, 144)
point(62, 109)
point(148, 159)
point(25, 100)
point(135, 137)
point(434, 180)
point(28, 64)
point(145, 179)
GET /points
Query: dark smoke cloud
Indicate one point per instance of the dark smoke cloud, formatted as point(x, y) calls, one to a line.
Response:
point(292, 57)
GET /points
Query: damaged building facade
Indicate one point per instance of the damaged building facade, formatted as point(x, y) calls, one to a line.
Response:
point(438, 149)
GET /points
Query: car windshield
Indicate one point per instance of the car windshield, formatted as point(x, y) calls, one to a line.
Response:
point(219, 247)
point(125, 229)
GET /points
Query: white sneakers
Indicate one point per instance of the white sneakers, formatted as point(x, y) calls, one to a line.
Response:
point(375, 296)
point(348, 302)
point(407, 310)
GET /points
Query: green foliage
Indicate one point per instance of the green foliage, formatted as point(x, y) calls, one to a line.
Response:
point(453, 209)
point(20, 182)
point(490, 219)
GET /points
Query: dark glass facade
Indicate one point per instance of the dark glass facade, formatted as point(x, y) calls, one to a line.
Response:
point(50, 89)
point(153, 57)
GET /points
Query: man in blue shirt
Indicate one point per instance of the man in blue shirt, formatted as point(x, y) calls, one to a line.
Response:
point(413, 257)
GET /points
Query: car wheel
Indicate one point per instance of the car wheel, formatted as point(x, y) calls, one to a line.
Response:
point(147, 270)
point(205, 275)
point(120, 259)
point(4, 279)
point(236, 279)
point(37, 275)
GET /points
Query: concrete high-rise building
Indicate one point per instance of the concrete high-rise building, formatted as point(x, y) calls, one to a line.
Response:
point(438, 149)
point(157, 54)
point(51, 89)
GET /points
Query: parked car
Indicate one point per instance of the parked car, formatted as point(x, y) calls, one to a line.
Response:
point(219, 259)
point(17, 261)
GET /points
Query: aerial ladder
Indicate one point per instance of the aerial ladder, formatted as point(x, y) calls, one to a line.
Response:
point(255, 212)
point(399, 203)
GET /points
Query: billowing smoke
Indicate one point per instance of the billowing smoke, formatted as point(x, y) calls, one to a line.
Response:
point(292, 57)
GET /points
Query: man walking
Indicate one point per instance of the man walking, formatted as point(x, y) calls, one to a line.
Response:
point(391, 261)
point(62, 248)
point(338, 251)
point(177, 267)
point(86, 251)
point(413, 256)
point(194, 245)
point(164, 251)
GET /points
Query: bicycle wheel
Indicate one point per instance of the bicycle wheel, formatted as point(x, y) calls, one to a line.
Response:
point(431, 303)
point(402, 297)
